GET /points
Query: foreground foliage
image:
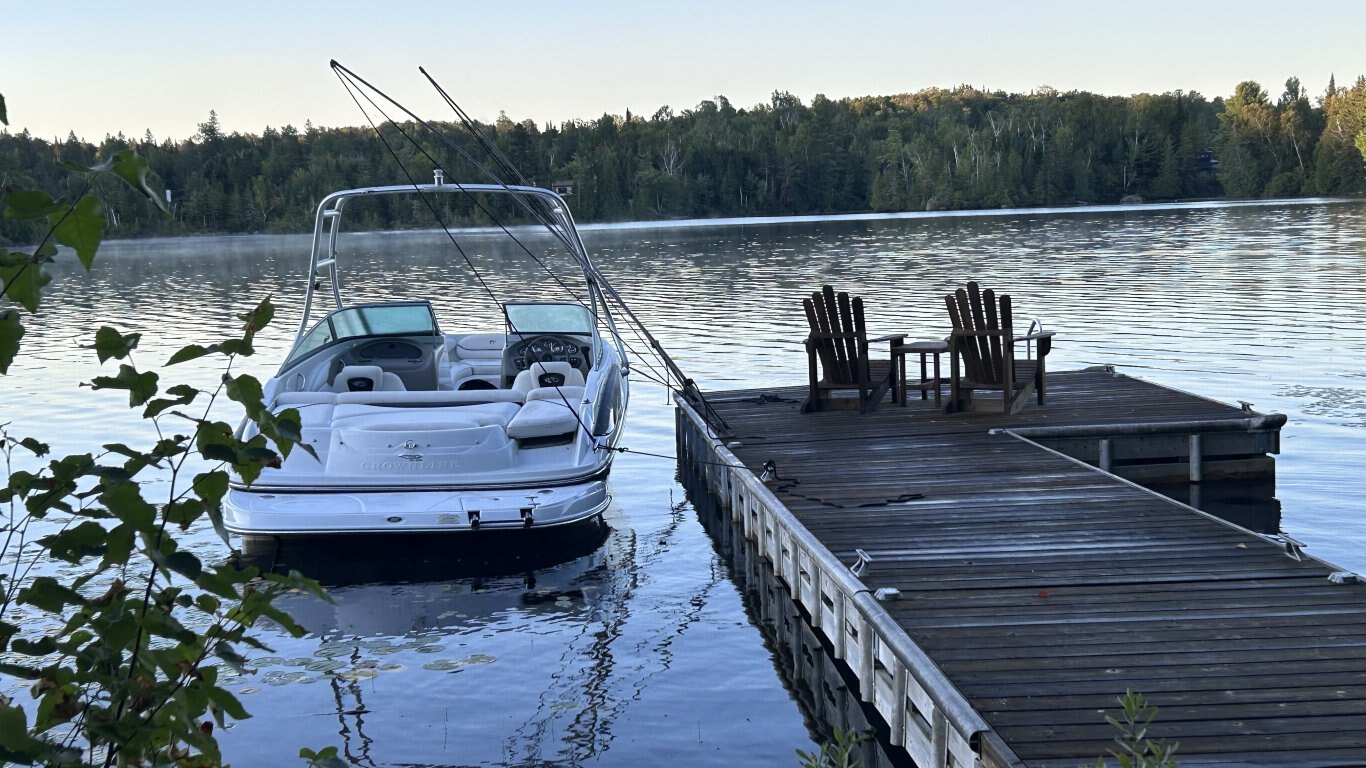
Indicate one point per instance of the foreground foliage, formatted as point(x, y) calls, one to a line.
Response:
point(122, 634)
point(838, 752)
point(1136, 749)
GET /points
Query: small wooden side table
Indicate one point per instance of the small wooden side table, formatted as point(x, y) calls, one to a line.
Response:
point(925, 349)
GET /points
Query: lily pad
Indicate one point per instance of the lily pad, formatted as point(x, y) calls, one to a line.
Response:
point(430, 649)
point(283, 678)
point(359, 674)
point(267, 661)
point(330, 650)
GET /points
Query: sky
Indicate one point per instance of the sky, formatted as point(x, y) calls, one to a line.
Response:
point(97, 69)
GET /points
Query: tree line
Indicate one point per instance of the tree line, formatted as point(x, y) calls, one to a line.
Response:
point(936, 149)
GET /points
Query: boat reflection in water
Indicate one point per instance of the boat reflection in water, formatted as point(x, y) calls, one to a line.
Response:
point(408, 609)
point(338, 561)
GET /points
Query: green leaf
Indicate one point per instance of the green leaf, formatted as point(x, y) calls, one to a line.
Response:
point(218, 452)
point(74, 544)
point(132, 168)
point(24, 284)
point(191, 352)
point(38, 449)
point(81, 228)
point(223, 579)
point(4, 116)
point(118, 545)
point(241, 347)
point(161, 404)
point(184, 512)
point(226, 702)
point(184, 563)
point(140, 386)
point(211, 487)
point(110, 344)
point(29, 204)
point(125, 502)
point(258, 318)
point(45, 593)
point(323, 758)
point(208, 604)
point(245, 389)
point(11, 331)
point(16, 743)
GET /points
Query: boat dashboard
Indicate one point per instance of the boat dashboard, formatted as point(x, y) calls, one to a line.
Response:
point(547, 348)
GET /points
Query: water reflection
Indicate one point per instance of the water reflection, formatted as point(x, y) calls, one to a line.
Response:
point(1249, 503)
point(640, 644)
point(826, 690)
point(418, 558)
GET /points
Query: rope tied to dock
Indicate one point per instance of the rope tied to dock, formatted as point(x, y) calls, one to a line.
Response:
point(765, 398)
point(788, 485)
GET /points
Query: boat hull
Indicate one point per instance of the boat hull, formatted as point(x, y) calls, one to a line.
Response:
point(251, 513)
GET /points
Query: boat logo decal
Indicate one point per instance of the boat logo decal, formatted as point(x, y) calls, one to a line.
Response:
point(411, 456)
point(409, 445)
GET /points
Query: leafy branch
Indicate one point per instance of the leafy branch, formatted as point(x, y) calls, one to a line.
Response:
point(123, 659)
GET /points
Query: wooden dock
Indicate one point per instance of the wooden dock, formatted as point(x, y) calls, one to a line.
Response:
point(994, 596)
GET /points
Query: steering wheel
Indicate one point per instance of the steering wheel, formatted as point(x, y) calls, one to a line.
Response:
point(547, 348)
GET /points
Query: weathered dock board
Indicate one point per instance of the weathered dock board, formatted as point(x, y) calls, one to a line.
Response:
point(1034, 589)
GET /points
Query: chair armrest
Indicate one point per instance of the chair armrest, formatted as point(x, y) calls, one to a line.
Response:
point(1039, 335)
point(892, 337)
point(960, 333)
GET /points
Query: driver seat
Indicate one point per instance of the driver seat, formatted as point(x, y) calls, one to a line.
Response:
point(550, 381)
point(367, 378)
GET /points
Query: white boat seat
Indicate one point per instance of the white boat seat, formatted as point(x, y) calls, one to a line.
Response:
point(548, 375)
point(367, 378)
point(481, 352)
point(387, 420)
point(544, 418)
point(428, 399)
point(315, 408)
point(572, 395)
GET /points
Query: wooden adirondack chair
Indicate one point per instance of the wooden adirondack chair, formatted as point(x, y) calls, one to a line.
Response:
point(839, 342)
point(982, 351)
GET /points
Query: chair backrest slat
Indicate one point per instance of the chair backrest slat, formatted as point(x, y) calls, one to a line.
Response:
point(850, 344)
point(837, 333)
point(984, 327)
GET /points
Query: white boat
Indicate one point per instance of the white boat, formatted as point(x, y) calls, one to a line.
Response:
point(419, 426)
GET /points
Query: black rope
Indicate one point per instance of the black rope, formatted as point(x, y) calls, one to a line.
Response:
point(766, 398)
point(788, 484)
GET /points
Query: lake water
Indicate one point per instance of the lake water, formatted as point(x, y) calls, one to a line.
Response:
point(639, 643)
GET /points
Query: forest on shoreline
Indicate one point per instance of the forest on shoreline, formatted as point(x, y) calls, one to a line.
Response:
point(937, 149)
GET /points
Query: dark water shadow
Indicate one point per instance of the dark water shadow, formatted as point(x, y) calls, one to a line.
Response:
point(1249, 503)
point(337, 561)
point(825, 689)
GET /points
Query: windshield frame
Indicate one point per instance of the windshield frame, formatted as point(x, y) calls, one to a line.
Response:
point(328, 331)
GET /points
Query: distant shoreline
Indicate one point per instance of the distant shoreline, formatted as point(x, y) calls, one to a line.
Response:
point(740, 221)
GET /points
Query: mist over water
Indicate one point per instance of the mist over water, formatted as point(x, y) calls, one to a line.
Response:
point(634, 643)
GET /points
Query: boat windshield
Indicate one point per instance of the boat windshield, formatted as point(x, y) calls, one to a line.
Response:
point(398, 319)
point(548, 318)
